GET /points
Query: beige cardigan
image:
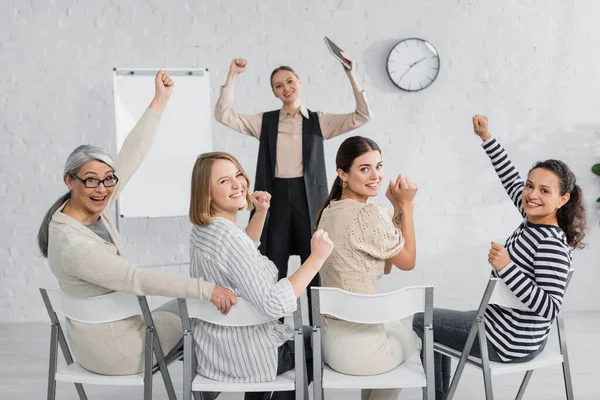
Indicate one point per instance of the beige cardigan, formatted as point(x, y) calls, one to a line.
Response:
point(86, 265)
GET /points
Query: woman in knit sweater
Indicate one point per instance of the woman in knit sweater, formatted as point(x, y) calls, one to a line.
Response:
point(84, 251)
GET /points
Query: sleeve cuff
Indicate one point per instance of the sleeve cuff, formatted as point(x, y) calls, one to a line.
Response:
point(490, 140)
point(206, 289)
point(152, 114)
point(361, 97)
point(287, 296)
point(506, 271)
point(226, 90)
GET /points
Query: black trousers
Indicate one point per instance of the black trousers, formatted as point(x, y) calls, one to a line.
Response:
point(290, 228)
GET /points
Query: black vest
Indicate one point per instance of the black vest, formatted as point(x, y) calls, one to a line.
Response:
point(313, 159)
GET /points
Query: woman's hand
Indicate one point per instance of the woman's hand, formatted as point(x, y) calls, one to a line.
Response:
point(401, 192)
point(223, 298)
point(163, 88)
point(498, 256)
point(480, 126)
point(237, 66)
point(320, 245)
point(163, 84)
point(351, 61)
point(262, 201)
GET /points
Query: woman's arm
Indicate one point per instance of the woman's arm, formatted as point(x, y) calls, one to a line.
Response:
point(321, 247)
point(506, 171)
point(333, 125)
point(544, 293)
point(401, 194)
point(224, 113)
point(139, 141)
point(86, 261)
point(262, 202)
point(252, 274)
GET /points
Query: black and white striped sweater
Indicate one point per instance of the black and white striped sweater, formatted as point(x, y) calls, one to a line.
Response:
point(537, 274)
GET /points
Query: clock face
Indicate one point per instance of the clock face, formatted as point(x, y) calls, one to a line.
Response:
point(413, 64)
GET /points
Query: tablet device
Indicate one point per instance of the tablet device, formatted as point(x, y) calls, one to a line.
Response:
point(337, 53)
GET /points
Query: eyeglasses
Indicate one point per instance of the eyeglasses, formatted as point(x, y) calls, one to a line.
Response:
point(92, 183)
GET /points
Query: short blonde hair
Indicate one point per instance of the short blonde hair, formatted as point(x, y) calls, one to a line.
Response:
point(200, 201)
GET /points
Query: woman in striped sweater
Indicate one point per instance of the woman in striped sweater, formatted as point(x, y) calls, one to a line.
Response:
point(533, 263)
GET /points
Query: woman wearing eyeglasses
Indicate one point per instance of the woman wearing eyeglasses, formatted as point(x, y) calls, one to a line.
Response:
point(84, 251)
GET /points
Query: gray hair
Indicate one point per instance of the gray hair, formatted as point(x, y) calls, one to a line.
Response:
point(85, 153)
point(75, 161)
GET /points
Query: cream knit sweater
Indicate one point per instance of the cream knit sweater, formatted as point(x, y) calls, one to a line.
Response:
point(86, 265)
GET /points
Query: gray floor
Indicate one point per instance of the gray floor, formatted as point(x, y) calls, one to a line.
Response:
point(24, 355)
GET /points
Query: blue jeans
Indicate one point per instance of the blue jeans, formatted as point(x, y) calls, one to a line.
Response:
point(451, 328)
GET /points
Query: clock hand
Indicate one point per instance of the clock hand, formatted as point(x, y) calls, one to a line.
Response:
point(416, 62)
point(409, 68)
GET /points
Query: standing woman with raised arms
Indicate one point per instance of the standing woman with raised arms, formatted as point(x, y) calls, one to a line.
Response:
point(291, 161)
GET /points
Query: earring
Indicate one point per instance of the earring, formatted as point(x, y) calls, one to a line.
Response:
point(344, 185)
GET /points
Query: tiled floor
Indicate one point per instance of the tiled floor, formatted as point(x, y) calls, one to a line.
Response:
point(24, 355)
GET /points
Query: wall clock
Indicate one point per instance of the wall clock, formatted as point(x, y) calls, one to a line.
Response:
point(413, 64)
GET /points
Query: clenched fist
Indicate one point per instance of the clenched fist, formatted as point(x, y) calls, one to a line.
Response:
point(261, 200)
point(402, 191)
point(320, 244)
point(480, 126)
point(163, 84)
point(237, 66)
point(498, 256)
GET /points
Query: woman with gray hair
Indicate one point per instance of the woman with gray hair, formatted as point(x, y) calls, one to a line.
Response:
point(84, 251)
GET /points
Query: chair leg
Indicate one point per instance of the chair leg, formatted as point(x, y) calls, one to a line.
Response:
point(301, 372)
point(52, 362)
point(566, 366)
point(429, 390)
point(317, 365)
point(148, 364)
point(485, 361)
point(524, 384)
point(462, 362)
point(187, 368)
point(164, 371)
point(69, 360)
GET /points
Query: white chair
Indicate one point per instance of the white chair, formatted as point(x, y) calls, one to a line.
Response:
point(497, 292)
point(97, 310)
point(375, 309)
point(242, 314)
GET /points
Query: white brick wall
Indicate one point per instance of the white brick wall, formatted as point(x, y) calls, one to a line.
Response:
point(532, 66)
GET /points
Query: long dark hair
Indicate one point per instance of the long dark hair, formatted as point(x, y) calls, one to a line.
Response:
point(572, 215)
point(349, 150)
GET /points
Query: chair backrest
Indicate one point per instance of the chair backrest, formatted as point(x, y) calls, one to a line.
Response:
point(372, 308)
point(109, 307)
point(503, 296)
point(243, 313)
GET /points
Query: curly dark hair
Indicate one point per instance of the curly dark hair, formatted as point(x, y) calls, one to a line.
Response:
point(571, 216)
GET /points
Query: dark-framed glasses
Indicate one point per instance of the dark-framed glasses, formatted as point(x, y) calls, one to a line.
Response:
point(92, 183)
